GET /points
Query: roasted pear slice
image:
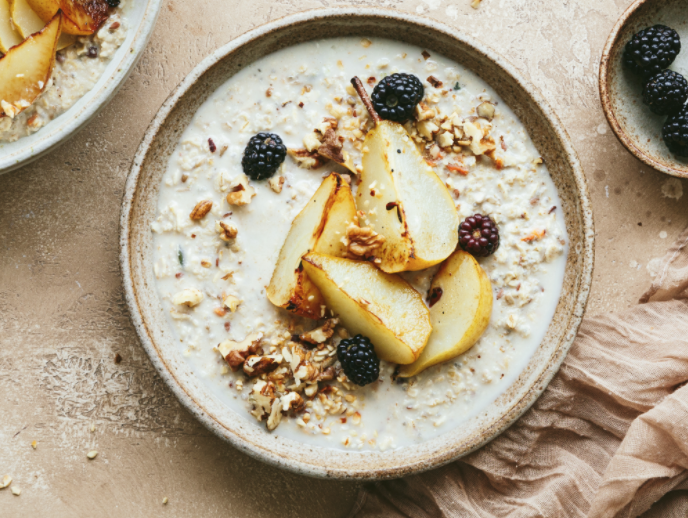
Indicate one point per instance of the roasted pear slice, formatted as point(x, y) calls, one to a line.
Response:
point(320, 226)
point(27, 22)
point(82, 17)
point(383, 307)
point(461, 305)
point(9, 37)
point(26, 68)
point(404, 200)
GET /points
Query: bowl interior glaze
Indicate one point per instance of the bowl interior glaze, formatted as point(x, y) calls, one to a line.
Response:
point(139, 210)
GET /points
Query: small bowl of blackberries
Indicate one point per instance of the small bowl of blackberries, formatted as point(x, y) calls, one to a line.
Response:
point(648, 55)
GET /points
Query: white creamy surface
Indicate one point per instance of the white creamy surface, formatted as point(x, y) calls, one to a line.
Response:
point(75, 73)
point(526, 276)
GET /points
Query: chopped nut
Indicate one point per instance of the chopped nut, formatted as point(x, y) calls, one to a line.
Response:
point(362, 241)
point(427, 129)
point(227, 231)
point(435, 82)
point(445, 139)
point(241, 192)
point(257, 365)
point(475, 4)
point(275, 415)
point(235, 353)
point(320, 334)
point(10, 110)
point(92, 454)
point(276, 183)
point(16, 491)
point(486, 110)
point(306, 159)
point(189, 297)
point(6, 481)
point(164, 501)
point(231, 302)
point(332, 147)
point(201, 209)
point(292, 401)
point(365, 42)
point(424, 113)
point(312, 141)
point(34, 444)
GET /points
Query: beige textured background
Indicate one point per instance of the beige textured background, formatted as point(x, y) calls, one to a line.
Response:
point(63, 318)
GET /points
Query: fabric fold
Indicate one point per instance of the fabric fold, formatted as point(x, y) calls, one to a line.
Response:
point(608, 438)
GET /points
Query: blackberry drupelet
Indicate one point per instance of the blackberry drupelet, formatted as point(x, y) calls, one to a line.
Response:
point(112, 3)
point(396, 96)
point(479, 236)
point(675, 133)
point(666, 92)
point(264, 153)
point(652, 50)
point(359, 361)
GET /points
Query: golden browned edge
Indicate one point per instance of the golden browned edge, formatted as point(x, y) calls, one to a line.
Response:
point(605, 64)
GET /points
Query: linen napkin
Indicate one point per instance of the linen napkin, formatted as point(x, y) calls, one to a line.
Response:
point(608, 438)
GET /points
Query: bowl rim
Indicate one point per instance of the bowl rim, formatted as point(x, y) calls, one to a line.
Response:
point(516, 409)
point(64, 127)
point(605, 97)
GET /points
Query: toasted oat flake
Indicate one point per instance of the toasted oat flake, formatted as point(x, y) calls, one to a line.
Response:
point(164, 501)
point(34, 444)
point(6, 481)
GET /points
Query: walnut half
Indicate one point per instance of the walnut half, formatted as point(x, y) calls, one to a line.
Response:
point(363, 241)
point(235, 353)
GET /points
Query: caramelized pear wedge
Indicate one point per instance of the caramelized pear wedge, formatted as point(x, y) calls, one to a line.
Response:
point(9, 37)
point(404, 199)
point(27, 22)
point(26, 68)
point(461, 305)
point(320, 226)
point(82, 17)
point(383, 307)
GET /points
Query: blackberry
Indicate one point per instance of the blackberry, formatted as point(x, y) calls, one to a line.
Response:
point(652, 50)
point(396, 96)
point(675, 133)
point(264, 153)
point(479, 236)
point(666, 92)
point(357, 356)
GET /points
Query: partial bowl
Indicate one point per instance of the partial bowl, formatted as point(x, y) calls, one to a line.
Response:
point(141, 16)
point(621, 92)
point(140, 206)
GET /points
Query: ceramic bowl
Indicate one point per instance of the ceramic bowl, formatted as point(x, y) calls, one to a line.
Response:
point(621, 92)
point(140, 205)
point(141, 16)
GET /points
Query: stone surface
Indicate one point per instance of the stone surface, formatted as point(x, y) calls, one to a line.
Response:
point(62, 314)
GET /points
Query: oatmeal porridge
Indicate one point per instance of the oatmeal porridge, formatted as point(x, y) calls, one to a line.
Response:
point(218, 236)
point(77, 69)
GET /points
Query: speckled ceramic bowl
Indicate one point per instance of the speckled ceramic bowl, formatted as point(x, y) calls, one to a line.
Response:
point(140, 205)
point(141, 15)
point(621, 92)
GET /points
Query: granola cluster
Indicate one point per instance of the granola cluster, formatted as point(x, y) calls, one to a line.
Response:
point(291, 378)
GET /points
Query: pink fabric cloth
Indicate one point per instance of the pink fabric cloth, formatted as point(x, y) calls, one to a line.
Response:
point(608, 438)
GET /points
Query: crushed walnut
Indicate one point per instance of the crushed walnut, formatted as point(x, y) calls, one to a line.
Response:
point(362, 241)
point(241, 192)
point(291, 379)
